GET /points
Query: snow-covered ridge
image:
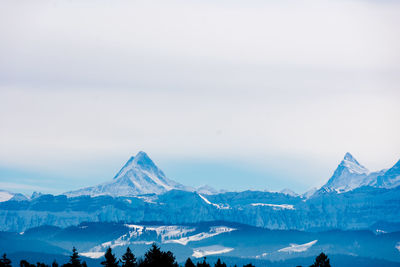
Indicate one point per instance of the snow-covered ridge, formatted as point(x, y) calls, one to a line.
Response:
point(210, 250)
point(274, 206)
point(298, 248)
point(218, 206)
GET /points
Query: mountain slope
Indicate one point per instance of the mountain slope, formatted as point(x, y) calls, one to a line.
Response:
point(138, 176)
point(349, 175)
point(390, 178)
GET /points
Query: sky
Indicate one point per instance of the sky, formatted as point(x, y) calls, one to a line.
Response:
point(260, 95)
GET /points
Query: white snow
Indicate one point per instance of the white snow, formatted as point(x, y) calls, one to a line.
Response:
point(213, 204)
point(298, 248)
point(200, 236)
point(275, 206)
point(93, 255)
point(171, 231)
point(5, 195)
point(210, 250)
point(379, 231)
point(167, 233)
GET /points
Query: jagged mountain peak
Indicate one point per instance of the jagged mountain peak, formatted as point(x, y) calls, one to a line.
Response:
point(349, 175)
point(141, 160)
point(349, 157)
point(352, 165)
point(139, 175)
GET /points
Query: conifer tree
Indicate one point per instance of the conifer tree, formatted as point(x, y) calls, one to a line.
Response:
point(110, 260)
point(4, 261)
point(24, 263)
point(203, 264)
point(189, 263)
point(219, 263)
point(74, 259)
point(249, 265)
point(128, 259)
point(54, 264)
point(321, 260)
point(154, 257)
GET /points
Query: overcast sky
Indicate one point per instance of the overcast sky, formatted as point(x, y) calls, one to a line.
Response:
point(234, 94)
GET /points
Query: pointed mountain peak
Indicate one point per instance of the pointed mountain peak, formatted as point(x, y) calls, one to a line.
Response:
point(143, 159)
point(350, 157)
point(350, 163)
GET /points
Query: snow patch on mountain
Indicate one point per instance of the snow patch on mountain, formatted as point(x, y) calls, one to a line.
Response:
point(200, 236)
point(177, 234)
point(210, 250)
point(298, 248)
point(93, 255)
point(275, 206)
point(218, 206)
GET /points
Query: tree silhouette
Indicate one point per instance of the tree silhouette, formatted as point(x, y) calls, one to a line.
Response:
point(219, 263)
point(249, 265)
point(4, 261)
point(321, 260)
point(203, 264)
point(110, 260)
point(74, 259)
point(54, 264)
point(154, 257)
point(128, 259)
point(189, 263)
point(24, 263)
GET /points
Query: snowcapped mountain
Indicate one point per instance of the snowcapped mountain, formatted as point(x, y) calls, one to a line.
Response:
point(389, 178)
point(289, 192)
point(137, 177)
point(350, 174)
point(309, 193)
point(6, 195)
point(207, 190)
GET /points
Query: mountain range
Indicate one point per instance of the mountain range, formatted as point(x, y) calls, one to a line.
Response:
point(140, 176)
point(355, 214)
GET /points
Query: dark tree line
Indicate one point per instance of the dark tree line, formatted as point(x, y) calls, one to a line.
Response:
point(154, 257)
